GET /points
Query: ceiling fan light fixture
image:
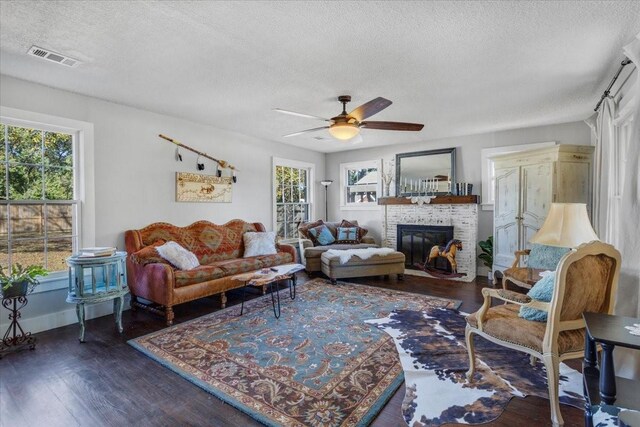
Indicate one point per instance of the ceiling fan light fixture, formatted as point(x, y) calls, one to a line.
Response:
point(344, 131)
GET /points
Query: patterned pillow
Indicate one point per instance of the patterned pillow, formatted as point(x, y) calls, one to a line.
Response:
point(541, 291)
point(321, 235)
point(304, 228)
point(178, 256)
point(544, 257)
point(149, 255)
point(361, 231)
point(348, 235)
point(259, 243)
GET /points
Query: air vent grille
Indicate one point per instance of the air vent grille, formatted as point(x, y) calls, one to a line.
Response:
point(49, 55)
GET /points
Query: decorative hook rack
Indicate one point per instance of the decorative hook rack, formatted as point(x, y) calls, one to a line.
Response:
point(222, 163)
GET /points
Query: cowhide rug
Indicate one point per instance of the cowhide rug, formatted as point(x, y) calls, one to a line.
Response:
point(434, 359)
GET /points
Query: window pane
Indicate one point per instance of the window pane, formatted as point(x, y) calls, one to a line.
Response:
point(3, 181)
point(286, 176)
point(2, 152)
point(58, 149)
point(4, 223)
point(27, 252)
point(58, 250)
point(58, 183)
point(25, 145)
point(25, 182)
point(286, 194)
point(4, 253)
point(59, 220)
point(27, 221)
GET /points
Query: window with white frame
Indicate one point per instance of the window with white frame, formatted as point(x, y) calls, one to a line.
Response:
point(360, 184)
point(293, 188)
point(38, 208)
point(488, 170)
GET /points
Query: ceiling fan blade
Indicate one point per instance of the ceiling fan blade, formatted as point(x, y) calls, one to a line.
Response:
point(392, 126)
point(305, 131)
point(370, 108)
point(293, 113)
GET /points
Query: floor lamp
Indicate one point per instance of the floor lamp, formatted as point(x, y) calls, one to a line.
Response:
point(326, 183)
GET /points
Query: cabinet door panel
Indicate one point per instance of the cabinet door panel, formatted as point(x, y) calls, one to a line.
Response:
point(505, 211)
point(537, 195)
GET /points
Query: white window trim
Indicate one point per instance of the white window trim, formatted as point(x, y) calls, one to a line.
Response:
point(279, 161)
point(343, 185)
point(84, 183)
point(486, 159)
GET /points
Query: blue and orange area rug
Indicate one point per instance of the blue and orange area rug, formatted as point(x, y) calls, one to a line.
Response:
point(320, 364)
point(433, 354)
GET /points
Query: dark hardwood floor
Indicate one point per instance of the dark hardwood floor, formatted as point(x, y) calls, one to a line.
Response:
point(106, 382)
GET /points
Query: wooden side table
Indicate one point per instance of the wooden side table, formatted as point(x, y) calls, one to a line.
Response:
point(601, 386)
point(94, 280)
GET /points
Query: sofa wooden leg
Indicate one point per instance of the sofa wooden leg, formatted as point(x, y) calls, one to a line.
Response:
point(401, 277)
point(264, 289)
point(132, 302)
point(333, 281)
point(223, 300)
point(168, 313)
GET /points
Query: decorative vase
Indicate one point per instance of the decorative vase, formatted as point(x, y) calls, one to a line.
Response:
point(387, 189)
point(16, 290)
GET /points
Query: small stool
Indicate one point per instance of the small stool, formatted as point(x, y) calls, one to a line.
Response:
point(107, 281)
point(377, 265)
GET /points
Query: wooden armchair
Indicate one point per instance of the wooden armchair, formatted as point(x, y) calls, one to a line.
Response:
point(586, 280)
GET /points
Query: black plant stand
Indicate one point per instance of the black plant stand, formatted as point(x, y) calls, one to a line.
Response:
point(15, 339)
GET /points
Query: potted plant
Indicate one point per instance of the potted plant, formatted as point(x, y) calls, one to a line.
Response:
point(15, 283)
point(487, 255)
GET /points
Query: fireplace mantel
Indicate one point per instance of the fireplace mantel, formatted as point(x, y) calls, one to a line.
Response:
point(440, 200)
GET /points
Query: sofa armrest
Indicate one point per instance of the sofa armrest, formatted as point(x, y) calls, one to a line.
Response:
point(302, 245)
point(368, 239)
point(282, 247)
point(154, 282)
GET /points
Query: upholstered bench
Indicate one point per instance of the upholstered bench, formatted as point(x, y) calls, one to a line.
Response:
point(376, 265)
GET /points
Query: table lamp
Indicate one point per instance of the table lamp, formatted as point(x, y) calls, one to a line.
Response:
point(567, 225)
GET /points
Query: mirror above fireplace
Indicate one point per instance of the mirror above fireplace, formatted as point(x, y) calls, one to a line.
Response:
point(422, 173)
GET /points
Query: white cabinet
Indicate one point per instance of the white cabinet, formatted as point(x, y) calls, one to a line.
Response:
point(526, 184)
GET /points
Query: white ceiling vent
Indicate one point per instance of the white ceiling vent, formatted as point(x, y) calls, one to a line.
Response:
point(58, 58)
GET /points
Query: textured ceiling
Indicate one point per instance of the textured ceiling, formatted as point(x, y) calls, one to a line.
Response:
point(458, 67)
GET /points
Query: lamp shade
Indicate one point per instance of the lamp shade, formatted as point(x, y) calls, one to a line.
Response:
point(326, 182)
point(344, 131)
point(567, 225)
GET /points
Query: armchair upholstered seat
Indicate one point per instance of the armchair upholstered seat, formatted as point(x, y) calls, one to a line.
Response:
point(585, 281)
point(539, 258)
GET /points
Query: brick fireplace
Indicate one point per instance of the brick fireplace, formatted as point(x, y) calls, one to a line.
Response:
point(463, 217)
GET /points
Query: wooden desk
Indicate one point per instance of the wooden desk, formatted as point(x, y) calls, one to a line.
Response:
point(600, 383)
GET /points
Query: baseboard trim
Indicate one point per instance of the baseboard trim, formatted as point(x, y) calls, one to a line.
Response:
point(62, 318)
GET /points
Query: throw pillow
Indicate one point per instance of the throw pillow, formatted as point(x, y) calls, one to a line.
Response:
point(541, 291)
point(178, 256)
point(348, 235)
point(149, 254)
point(544, 257)
point(304, 228)
point(321, 235)
point(361, 231)
point(259, 243)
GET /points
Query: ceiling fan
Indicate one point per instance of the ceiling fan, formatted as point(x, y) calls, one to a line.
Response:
point(346, 126)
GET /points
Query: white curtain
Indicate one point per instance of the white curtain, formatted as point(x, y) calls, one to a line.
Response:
point(604, 133)
point(628, 301)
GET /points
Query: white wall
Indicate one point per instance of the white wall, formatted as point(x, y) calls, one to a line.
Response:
point(468, 164)
point(135, 172)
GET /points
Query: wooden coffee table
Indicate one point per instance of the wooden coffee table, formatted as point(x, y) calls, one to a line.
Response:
point(271, 277)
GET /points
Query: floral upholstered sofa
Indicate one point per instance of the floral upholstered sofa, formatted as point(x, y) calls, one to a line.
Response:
point(219, 249)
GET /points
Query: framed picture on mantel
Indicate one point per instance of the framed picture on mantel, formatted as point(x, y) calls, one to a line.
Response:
point(195, 187)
